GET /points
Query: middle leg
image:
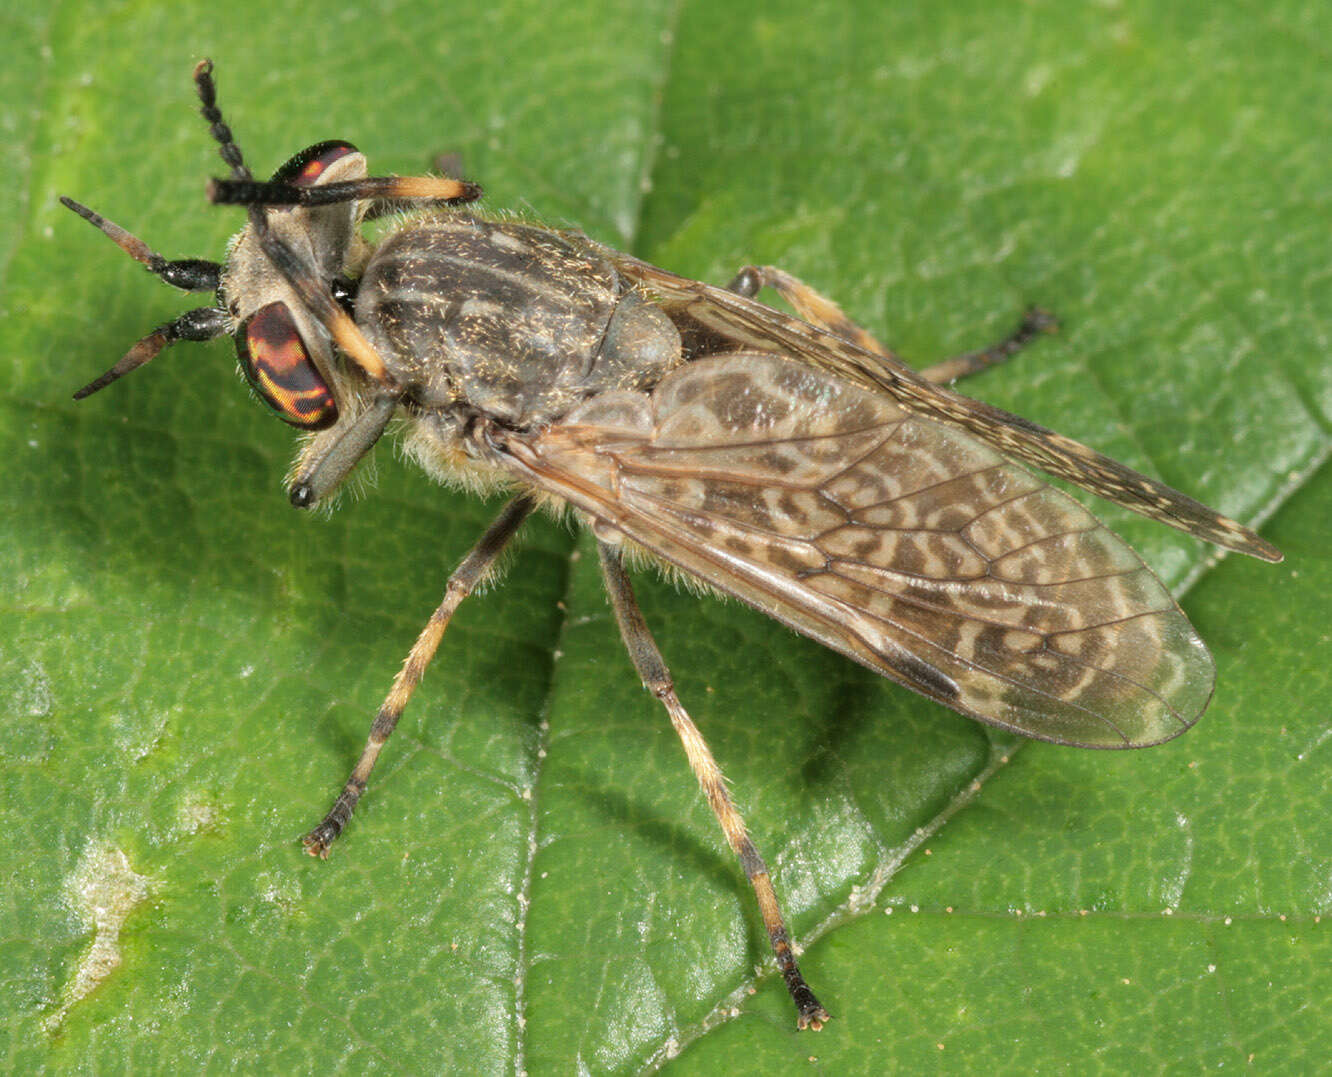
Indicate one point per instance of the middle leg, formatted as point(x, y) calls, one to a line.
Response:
point(657, 679)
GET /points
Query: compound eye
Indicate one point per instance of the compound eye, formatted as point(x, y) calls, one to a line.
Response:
point(306, 167)
point(276, 363)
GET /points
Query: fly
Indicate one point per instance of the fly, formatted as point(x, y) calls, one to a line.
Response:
point(793, 463)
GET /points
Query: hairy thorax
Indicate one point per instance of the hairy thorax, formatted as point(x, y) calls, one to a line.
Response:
point(514, 323)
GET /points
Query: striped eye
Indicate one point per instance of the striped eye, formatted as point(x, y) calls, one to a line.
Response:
point(276, 364)
point(306, 167)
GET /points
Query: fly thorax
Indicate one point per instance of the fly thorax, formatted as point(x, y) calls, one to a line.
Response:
point(502, 319)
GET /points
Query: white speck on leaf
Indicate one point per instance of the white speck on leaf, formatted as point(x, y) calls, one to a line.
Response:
point(102, 891)
point(33, 699)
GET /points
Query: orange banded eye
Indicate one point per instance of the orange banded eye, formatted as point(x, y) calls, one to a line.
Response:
point(306, 167)
point(276, 364)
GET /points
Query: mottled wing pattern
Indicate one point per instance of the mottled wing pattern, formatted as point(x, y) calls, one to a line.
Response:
point(897, 540)
point(752, 324)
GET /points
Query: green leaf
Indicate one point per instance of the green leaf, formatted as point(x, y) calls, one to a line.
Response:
point(533, 882)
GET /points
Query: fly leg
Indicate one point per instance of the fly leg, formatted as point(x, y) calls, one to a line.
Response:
point(1035, 321)
point(821, 311)
point(328, 459)
point(657, 679)
point(468, 574)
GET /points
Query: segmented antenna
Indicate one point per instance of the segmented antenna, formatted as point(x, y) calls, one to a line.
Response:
point(217, 127)
point(202, 323)
point(187, 274)
point(417, 190)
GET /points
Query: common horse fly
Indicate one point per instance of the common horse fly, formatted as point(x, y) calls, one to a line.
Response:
point(793, 463)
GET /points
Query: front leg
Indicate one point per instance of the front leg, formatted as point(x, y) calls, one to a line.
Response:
point(327, 460)
point(468, 574)
point(819, 310)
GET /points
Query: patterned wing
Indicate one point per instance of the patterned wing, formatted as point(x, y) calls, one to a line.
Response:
point(899, 541)
point(744, 322)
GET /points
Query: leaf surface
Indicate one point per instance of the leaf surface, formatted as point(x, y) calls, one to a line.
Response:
point(532, 882)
